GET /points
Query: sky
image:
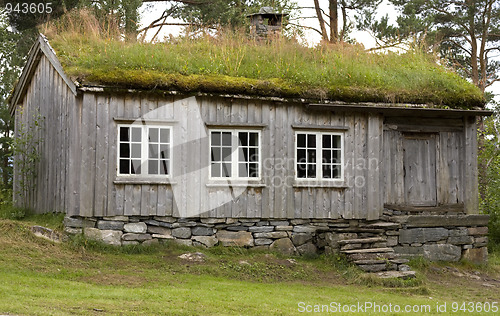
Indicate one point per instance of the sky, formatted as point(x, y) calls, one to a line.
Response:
point(152, 11)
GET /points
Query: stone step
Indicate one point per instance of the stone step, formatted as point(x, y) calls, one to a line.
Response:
point(370, 250)
point(362, 240)
point(396, 274)
point(363, 246)
point(371, 256)
point(370, 261)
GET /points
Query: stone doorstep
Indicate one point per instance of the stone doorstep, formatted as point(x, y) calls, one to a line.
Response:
point(405, 275)
point(371, 250)
point(362, 240)
point(371, 256)
point(373, 267)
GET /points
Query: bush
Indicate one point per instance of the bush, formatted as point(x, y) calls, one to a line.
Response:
point(7, 208)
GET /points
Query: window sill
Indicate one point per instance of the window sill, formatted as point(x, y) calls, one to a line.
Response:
point(250, 184)
point(143, 180)
point(320, 184)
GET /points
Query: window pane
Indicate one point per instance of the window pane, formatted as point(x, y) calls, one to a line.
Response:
point(124, 134)
point(163, 166)
point(215, 138)
point(216, 170)
point(327, 171)
point(226, 154)
point(336, 156)
point(136, 134)
point(253, 170)
point(226, 139)
point(153, 166)
point(254, 139)
point(243, 154)
point(311, 140)
point(164, 151)
point(243, 138)
point(336, 141)
point(242, 170)
point(301, 170)
point(311, 155)
point(136, 150)
point(301, 140)
point(136, 167)
point(165, 135)
point(124, 166)
point(124, 150)
point(301, 155)
point(153, 151)
point(226, 170)
point(327, 141)
point(253, 154)
point(336, 172)
point(311, 171)
point(216, 154)
point(327, 156)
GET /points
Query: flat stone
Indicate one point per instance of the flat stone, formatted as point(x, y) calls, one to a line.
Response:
point(301, 238)
point(307, 249)
point(478, 230)
point(237, 228)
point(159, 236)
point(78, 222)
point(405, 275)
point(182, 232)
point(249, 220)
point(461, 240)
point(159, 230)
point(476, 255)
point(110, 237)
point(213, 220)
point(272, 235)
point(481, 240)
point(384, 225)
point(392, 233)
point(279, 223)
point(187, 224)
point(373, 267)
point(371, 256)
point(262, 223)
point(283, 228)
point(202, 231)
point(422, 235)
point(447, 220)
point(130, 243)
point(261, 229)
point(369, 262)
point(404, 267)
point(304, 229)
point(46, 233)
point(458, 232)
point(207, 241)
point(138, 237)
point(193, 256)
point(361, 240)
point(116, 218)
point(165, 219)
point(299, 221)
point(442, 252)
point(240, 238)
point(137, 228)
point(284, 246)
point(370, 250)
point(231, 220)
point(183, 242)
point(110, 225)
point(152, 222)
point(392, 241)
point(409, 251)
point(73, 231)
point(263, 241)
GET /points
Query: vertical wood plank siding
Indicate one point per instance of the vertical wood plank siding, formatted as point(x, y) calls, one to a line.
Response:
point(78, 167)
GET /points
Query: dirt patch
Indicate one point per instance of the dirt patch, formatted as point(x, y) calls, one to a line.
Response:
point(115, 279)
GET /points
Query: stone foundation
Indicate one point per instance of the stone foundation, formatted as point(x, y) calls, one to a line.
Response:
point(395, 235)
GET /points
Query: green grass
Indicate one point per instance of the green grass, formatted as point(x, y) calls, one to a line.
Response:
point(38, 277)
point(231, 63)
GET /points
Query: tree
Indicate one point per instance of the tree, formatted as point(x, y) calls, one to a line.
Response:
point(334, 34)
point(465, 32)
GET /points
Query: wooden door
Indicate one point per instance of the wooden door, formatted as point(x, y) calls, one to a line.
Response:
point(419, 163)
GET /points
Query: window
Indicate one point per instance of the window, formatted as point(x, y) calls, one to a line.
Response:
point(234, 154)
point(319, 156)
point(144, 150)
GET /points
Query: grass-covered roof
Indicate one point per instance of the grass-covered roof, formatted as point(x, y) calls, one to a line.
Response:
point(232, 64)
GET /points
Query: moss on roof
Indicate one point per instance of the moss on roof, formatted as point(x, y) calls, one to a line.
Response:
point(234, 65)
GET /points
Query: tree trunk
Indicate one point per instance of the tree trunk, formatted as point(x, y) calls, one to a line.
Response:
point(321, 21)
point(334, 21)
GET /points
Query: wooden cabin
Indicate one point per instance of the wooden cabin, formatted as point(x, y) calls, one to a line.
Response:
point(174, 165)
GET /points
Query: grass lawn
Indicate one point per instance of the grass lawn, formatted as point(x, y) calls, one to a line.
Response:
point(38, 277)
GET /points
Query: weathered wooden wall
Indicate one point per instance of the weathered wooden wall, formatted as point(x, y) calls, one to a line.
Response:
point(49, 101)
point(430, 162)
point(101, 193)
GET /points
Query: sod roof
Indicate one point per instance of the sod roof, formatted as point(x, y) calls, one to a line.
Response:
point(281, 68)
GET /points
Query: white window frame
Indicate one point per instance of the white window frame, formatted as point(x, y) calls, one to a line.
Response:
point(319, 157)
point(144, 151)
point(234, 154)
